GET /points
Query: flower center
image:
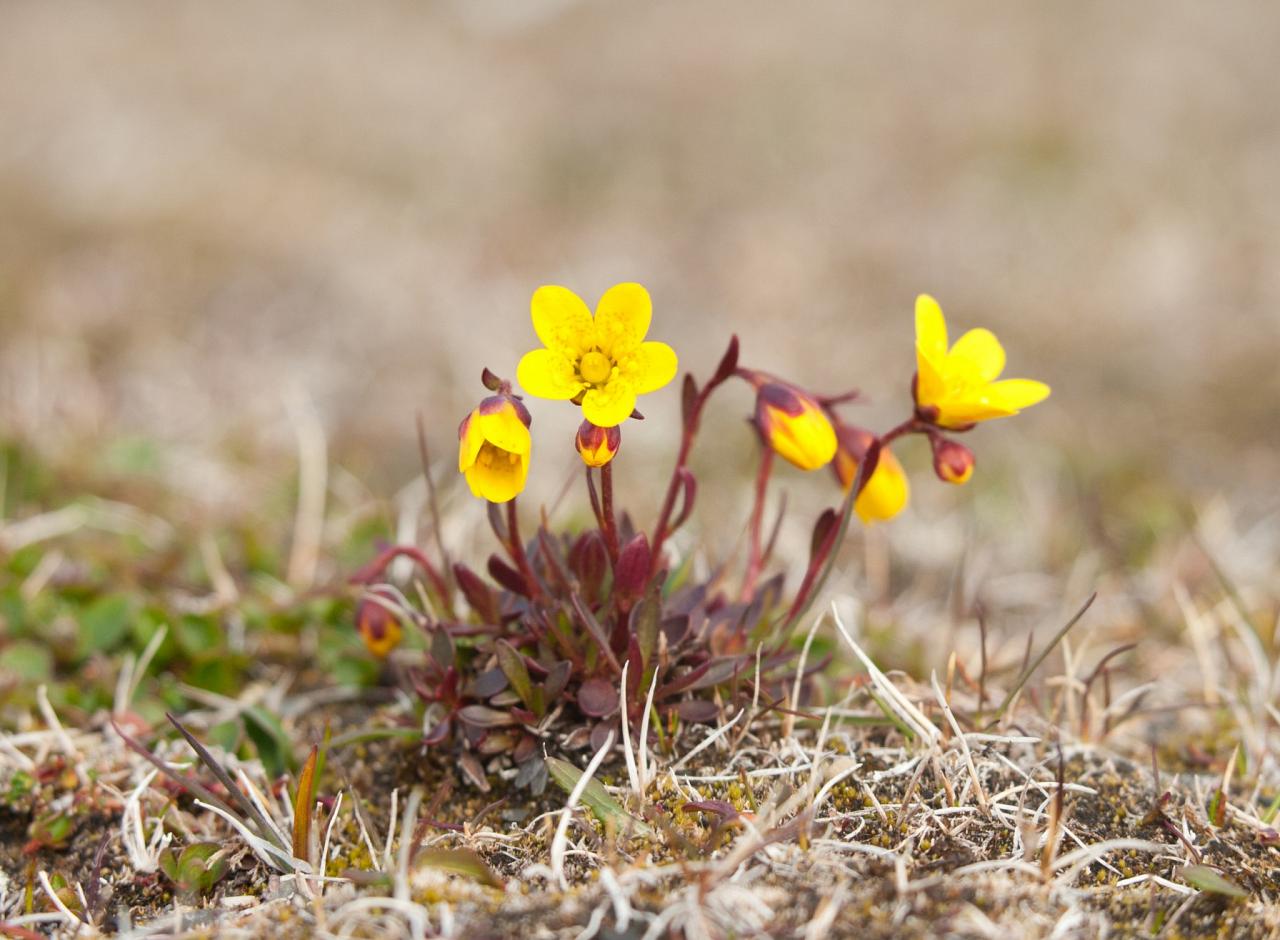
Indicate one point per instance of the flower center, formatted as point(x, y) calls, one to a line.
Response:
point(595, 367)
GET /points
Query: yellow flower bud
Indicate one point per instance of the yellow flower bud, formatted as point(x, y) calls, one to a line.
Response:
point(493, 448)
point(794, 425)
point(378, 626)
point(952, 461)
point(886, 493)
point(596, 445)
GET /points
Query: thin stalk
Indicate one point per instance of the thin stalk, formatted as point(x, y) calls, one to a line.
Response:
point(515, 545)
point(817, 575)
point(609, 523)
point(755, 557)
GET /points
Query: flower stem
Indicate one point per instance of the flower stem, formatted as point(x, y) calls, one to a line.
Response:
point(825, 556)
point(609, 525)
point(515, 545)
point(755, 558)
point(375, 568)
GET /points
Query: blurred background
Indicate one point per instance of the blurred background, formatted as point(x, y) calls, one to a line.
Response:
point(215, 218)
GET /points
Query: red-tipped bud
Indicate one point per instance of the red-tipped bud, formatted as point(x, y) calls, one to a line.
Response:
point(794, 425)
point(952, 461)
point(597, 446)
point(631, 573)
point(377, 624)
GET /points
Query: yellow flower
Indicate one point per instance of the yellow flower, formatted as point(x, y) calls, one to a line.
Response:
point(596, 445)
point(604, 362)
point(794, 425)
point(886, 493)
point(493, 449)
point(957, 387)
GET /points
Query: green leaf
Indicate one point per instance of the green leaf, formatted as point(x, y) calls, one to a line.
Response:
point(595, 797)
point(104, 623)
point(273, 743)
point(513, 667)
point(29, 661)
point(1206, 879)
point(459, 862)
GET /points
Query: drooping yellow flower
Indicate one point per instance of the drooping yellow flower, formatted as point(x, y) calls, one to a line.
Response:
point(794, 425)
point(886, 493)
point(957, 386)
point(493, 449)
point(596, 445)
point(604, 362)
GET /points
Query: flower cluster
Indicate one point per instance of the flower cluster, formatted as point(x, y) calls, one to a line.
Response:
point(572, 632)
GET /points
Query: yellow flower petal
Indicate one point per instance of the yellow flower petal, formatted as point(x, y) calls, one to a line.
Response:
point(498, 476)
point(1016, 394)
point(931, 329)
point(609, 405)
point(930, 385)
point(561, 320)
point(650, 367)
point(470, 443)
point(622, 319)
point(886, 493)
point(548, 373)
point(806, 440)
point(505, 431)
point(977, 355)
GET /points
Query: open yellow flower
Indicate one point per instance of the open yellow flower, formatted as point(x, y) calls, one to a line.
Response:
point(604, 362)
point(957, 386)
point(493, 449)
point(886, 493)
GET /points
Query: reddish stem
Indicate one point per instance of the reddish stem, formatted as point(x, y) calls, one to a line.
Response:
point(609, 523)
point(755, 558)
point(515, 545)
point(824, 557)
point(379, 564)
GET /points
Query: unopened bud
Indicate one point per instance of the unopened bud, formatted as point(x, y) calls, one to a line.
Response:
point(377, 624)
point(952, 461)
point(794, 425)
point(597, 446)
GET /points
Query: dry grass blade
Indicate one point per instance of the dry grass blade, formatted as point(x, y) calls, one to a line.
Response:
point(1032, 666)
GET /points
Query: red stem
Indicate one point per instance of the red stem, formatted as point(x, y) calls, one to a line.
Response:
point(824, 557)
point(515, 545)
point(379, 564)
point(609, 524)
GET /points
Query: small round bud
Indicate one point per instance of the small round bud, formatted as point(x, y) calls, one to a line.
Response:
point(597, 446)
point(952, 461)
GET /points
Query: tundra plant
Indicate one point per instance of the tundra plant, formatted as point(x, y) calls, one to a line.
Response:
point(572, 632)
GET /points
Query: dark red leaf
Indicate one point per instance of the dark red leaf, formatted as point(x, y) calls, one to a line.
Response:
point(597, 697)
point(728, 362)
point(478, 594)
point(698, 711)
point(507, 576)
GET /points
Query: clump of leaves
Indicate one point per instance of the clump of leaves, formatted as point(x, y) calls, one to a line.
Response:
point(196, 868)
